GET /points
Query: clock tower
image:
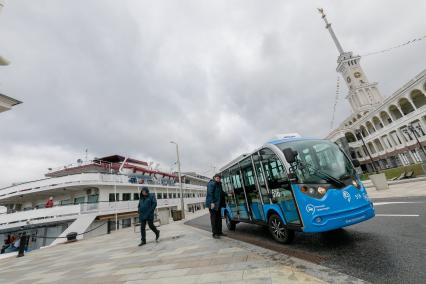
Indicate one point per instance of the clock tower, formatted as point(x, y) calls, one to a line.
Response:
point(362, 95)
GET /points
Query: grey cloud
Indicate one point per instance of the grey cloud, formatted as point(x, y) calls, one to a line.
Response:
point(218, 77)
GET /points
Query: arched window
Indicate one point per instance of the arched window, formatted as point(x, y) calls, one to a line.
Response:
point(377, 123)
point(363, 131)
point(405, 106)
point(371, 148)
point(350, 137)
point(370, 127)
point(394, 111)
point(418, 98)
point(385, 117)
point(378, 144)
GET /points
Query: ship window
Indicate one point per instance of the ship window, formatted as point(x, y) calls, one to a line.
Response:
point(126, 196)
point(111, 197)
point(135, 196)
point(64, 202)
point(159, 196)
point(79, 200)
point(125, 223)
point(93, 198)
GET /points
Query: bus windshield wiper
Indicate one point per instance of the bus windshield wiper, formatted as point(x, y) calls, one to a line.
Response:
point(324, 174)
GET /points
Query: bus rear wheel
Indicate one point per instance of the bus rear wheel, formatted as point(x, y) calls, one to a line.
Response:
point(279, 231)
point(229, 223)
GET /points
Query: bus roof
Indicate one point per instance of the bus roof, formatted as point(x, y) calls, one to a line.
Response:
point(289, 138)
point(279, 141)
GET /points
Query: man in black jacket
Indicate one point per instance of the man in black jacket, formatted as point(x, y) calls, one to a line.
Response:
point(215, 201)
point(146, 207)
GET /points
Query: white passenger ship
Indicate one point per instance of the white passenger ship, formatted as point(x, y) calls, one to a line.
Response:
point(90, 196)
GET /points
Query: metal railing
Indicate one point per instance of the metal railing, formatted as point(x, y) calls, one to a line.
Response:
point(70, 212)
point(80, 179)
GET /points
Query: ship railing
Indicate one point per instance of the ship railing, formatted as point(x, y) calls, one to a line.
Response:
point(71, 211)
point(38, 216)
point(75, 180)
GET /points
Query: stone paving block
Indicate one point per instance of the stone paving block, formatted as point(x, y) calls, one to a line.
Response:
point(192, 279)
point(256, 273)
point(223, 276)
point(266, 280)
point(170, 273)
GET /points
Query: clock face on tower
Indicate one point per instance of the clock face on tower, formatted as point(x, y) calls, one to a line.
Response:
point(357, 74)
point(348, 79)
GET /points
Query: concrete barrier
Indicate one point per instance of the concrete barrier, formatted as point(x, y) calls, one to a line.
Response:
point(379, 181)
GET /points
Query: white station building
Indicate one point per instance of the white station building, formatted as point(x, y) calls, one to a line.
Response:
point(392, 129)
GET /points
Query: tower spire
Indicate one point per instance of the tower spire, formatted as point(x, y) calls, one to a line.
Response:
point(330, 30)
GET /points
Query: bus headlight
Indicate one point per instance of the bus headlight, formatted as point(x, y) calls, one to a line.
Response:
point(321, 190)
point(317, 191)
point(356, 184)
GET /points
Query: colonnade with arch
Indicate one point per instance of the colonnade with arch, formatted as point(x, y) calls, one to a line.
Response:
point(385, 118)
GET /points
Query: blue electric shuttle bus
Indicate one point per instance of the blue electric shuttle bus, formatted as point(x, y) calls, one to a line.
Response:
point(295, 184)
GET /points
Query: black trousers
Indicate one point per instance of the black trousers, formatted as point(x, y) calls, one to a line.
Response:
point(150, 225)
point(216, 221)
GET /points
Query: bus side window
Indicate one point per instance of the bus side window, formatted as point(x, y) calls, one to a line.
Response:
point(248, 178)
point(238, 191)
point(260, 178)
point(275, 172)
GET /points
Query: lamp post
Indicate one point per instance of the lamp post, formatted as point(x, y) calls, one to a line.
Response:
point(414, 131)
point(182, 205)
point(359, 134)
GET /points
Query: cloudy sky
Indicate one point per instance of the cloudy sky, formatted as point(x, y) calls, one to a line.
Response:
point(218, 77)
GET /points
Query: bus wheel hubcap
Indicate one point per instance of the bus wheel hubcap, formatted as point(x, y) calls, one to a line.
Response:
point(278, 230)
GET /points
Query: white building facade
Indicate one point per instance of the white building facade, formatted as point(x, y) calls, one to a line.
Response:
point(381, 132)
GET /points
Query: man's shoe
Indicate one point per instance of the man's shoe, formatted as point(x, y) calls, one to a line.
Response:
point(157, 235)
point(216, 237)
point(142, 243)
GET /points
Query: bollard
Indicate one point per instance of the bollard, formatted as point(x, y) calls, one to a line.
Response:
point(22, 244)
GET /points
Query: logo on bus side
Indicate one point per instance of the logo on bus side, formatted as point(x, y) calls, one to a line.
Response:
point(346, 195)
point(310, 209)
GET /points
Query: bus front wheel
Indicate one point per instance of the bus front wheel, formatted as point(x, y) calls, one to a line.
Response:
point(279, 231)
point(229, 223)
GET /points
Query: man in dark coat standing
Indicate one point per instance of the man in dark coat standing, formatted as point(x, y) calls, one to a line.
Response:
point(215, 200)
point(146, 207)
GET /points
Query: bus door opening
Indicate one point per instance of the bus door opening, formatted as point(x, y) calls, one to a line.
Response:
point(254, 200)
point(279, 186)
point(242, 211)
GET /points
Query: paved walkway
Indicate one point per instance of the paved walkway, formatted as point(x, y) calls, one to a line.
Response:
point(417, 188)
point(183, 255)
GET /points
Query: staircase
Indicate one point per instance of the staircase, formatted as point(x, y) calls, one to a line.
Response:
point(79, 226)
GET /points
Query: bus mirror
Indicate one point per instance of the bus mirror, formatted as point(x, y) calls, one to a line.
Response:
point(356, 163)
point(290, 155)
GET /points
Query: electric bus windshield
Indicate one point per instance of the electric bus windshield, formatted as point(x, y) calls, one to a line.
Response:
point(320, 161)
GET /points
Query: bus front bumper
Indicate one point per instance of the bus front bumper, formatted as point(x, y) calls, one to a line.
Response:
point(323, 223)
